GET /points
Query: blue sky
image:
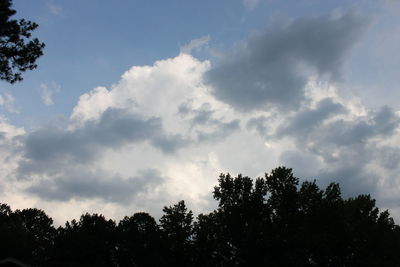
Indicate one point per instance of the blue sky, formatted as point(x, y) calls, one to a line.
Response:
point(138, 102)
point(90, 43)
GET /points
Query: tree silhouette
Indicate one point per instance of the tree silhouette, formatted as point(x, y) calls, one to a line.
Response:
point(270, 221)
point(91, 241)
point(26, 235)
point(18, 51)
point(139, 241)
point(242, 217)
point(176, 225)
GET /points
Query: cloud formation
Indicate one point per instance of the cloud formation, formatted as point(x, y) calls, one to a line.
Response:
point(83, 184)
point(165, 131)
point(342, 146)
point(272, 68)
point(130, 143)
point(49, 147)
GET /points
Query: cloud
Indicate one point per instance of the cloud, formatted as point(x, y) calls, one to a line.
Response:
point(54, 8)
point(376, 124)
point(112, 135)
point(47, 92)
point(164, 132)
point(303, 122)
point(149, 90)
point(273, 68)
point(54, 146)
point(223, 130)
point(171, 89)
point(195, 44)
point(250, 4)
point(260, 124)
point(341, 146)
point(331, 131)
point(207, 127)
point(83, 184)
point(7, 101)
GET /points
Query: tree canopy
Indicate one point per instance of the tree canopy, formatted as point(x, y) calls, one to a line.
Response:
point(18, 51)
point(270, 221)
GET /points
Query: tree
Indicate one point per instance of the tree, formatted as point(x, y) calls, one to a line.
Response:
point(139, 241)
point(27, 235)
point(242, 218)
point(87, 242)
point(277, 222)
point(176, 226)
point(270, 221)
point(18, 51)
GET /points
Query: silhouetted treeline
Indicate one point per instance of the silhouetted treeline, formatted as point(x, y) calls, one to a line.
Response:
point(270, 221)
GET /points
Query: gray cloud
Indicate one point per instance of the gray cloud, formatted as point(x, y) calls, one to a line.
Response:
point(59, 162)
point(268, 69)
point(380, 123)
point(54, 145)
point(205, 116)
point(341, 150)
point(348, 168)
point(305, 121)
point(79, 183)
point(260, 124)
point(114, 128)
point(202, 115)
point(389, 157)
point(312, 130)
point(224, 129)
point(169, 143)
point(353, 179)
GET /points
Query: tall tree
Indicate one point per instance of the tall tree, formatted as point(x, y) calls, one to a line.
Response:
point(242, 217)
point(176, 226)
point(87, 242)
point(270, 221)
point(18, 51)
point(27, 235)
point(139, 241)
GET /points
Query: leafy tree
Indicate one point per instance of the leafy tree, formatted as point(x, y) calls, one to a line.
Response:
point(40, 234)
point(242, 217)
point(26, 234)
point(176, 225)
point(284, 201)
point(296, 225)
point(87, 242)
point(270, 221)
point(9, 233)
point(139, 241)
point(207, 240)
point(18, 51)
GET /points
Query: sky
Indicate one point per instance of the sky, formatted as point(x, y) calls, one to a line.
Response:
point(136, 105)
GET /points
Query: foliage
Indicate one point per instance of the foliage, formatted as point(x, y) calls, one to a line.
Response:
point(269, 221)
point(18, 51)
point(90, 241)
point(139, 241)
point(26, 234)
point(176, 226)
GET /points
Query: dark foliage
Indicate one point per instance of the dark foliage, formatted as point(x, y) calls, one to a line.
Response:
point(139, 241)
point(91, 241)
point(18, 51)
point(27, 235)
point(269, 221)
